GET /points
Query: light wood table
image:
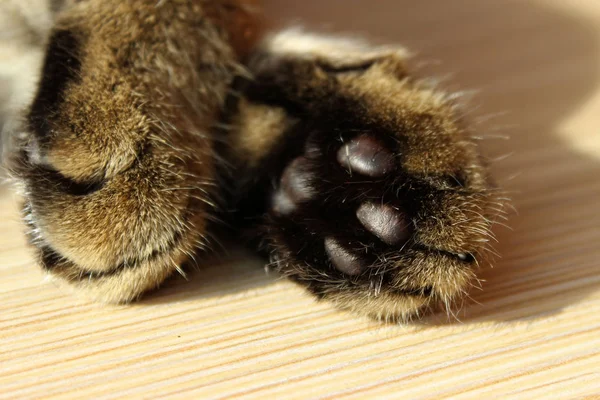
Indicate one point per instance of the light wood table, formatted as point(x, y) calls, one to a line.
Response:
point(234, 331)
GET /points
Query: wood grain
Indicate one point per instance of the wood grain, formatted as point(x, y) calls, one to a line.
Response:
point(233, 331)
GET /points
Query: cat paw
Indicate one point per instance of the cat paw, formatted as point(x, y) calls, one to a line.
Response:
point(382, 203)
point(347, 222)
point(113, 160)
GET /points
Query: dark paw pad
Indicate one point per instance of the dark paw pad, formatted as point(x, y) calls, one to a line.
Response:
point(350, 223)
point(391, 225)
point(343, 259)
point(295, 187)
point(367, 156)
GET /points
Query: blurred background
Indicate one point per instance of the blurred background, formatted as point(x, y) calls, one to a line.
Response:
point(24, 25)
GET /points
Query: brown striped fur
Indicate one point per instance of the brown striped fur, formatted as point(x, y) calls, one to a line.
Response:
point(153, 118)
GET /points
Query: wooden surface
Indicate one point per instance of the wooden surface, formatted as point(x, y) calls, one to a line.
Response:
point(233, 331)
